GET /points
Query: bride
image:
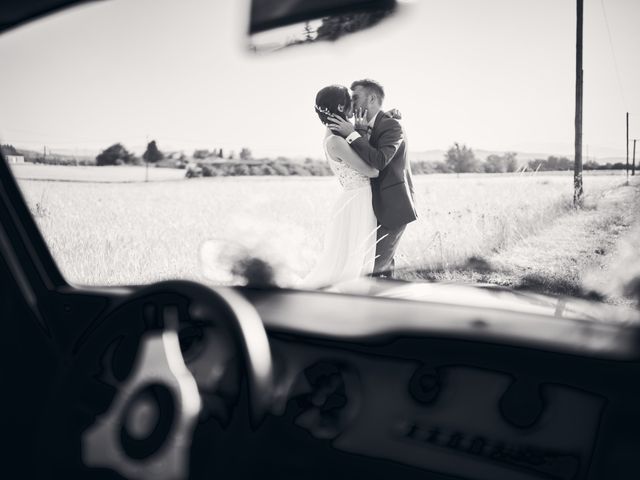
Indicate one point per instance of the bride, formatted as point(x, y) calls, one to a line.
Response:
point(350, 237)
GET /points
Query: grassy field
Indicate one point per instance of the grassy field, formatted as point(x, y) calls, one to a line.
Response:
point(591, 252)
point(104, 233)
point(106, 174)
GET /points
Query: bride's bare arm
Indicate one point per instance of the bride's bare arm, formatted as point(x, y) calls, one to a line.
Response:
point(339, 149)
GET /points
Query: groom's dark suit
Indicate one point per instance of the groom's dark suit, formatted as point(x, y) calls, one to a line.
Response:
point(392, 190)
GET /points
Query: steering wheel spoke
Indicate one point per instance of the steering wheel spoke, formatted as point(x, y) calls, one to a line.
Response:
point(182, 361)
point(160, 386)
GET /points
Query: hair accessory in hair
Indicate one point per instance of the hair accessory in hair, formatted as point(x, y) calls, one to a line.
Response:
point(326, 111)
point(341, 108)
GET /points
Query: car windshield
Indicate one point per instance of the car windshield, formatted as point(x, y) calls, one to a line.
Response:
point(154, 139)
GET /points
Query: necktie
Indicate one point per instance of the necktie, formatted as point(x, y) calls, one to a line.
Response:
point(369, 129)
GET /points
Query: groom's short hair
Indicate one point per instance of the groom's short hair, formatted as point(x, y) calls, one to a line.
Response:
point(371, 86)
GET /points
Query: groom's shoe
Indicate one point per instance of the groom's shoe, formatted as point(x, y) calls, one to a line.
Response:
point(385, 273)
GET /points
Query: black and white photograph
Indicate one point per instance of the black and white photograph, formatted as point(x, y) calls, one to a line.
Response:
point(312, 239)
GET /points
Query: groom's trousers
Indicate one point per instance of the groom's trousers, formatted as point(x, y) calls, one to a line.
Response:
point(387, 243)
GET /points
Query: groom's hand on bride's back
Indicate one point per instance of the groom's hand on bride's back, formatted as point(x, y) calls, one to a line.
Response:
point(340, 126)
point(394, 113)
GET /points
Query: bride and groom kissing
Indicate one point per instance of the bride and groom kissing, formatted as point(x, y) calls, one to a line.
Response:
point(375, 204)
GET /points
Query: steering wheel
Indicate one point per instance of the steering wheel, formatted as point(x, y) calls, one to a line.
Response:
point(159, 360)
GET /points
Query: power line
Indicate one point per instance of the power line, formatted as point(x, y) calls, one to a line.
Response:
point(613, 53)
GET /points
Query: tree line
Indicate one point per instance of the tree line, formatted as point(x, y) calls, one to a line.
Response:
point(280, 166)
point(459, 158)
point(213, 163)
point(117, 154)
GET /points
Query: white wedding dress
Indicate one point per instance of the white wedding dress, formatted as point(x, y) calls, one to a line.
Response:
point(350, 237)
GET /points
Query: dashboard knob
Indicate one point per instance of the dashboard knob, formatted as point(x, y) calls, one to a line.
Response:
point(425, 384)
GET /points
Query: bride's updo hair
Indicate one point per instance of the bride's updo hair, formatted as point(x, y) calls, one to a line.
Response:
point(334, 99)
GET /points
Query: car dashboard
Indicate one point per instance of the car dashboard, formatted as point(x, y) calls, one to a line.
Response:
point(368, 386)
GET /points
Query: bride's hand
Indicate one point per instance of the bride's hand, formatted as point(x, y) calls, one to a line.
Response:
point(340, 126)
point(361, 119)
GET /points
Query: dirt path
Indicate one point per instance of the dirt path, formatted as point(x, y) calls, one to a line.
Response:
point(593, 252)
point(617, 274)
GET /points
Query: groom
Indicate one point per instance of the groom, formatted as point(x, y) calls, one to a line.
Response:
point(379, 141)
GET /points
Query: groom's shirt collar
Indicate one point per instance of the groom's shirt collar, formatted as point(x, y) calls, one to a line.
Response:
point(373, 120)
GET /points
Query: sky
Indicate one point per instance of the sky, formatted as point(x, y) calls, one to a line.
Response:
point(492, 74)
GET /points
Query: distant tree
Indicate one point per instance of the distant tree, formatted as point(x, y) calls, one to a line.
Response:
point(442, 167)
point(297, 169)
point(220, 154)
point(427, 167)
point(279, 168)
point(200, 154)
point(152, 154)
point(494, 164)
point(591, 165)
point(511, 162)
point(559, 163)
point(501, 163)
point(267, 170)
point(551, 163)
point(209, 171)
point(232, 155)
point(116, 154)
point(8, 150)
point(245, 154)
point(461, 159)
point(537, 164)
point(241, 169)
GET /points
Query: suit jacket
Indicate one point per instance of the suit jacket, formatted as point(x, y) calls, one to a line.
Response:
point(392, 190)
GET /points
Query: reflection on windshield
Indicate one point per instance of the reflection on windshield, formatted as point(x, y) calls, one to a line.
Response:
point(329, 28)
point(169, 151)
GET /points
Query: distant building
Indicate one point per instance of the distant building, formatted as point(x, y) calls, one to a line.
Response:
point(14, 158)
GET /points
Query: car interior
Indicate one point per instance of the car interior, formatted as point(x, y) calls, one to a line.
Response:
point(388, 379)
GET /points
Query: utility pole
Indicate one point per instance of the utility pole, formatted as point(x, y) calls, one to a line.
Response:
point(633, 167)
point(627, 148)
point(577, 168)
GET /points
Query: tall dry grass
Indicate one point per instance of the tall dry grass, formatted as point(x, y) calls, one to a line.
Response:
point(478, 215)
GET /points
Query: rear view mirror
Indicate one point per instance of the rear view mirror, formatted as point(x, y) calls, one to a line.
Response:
point(277, 24)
